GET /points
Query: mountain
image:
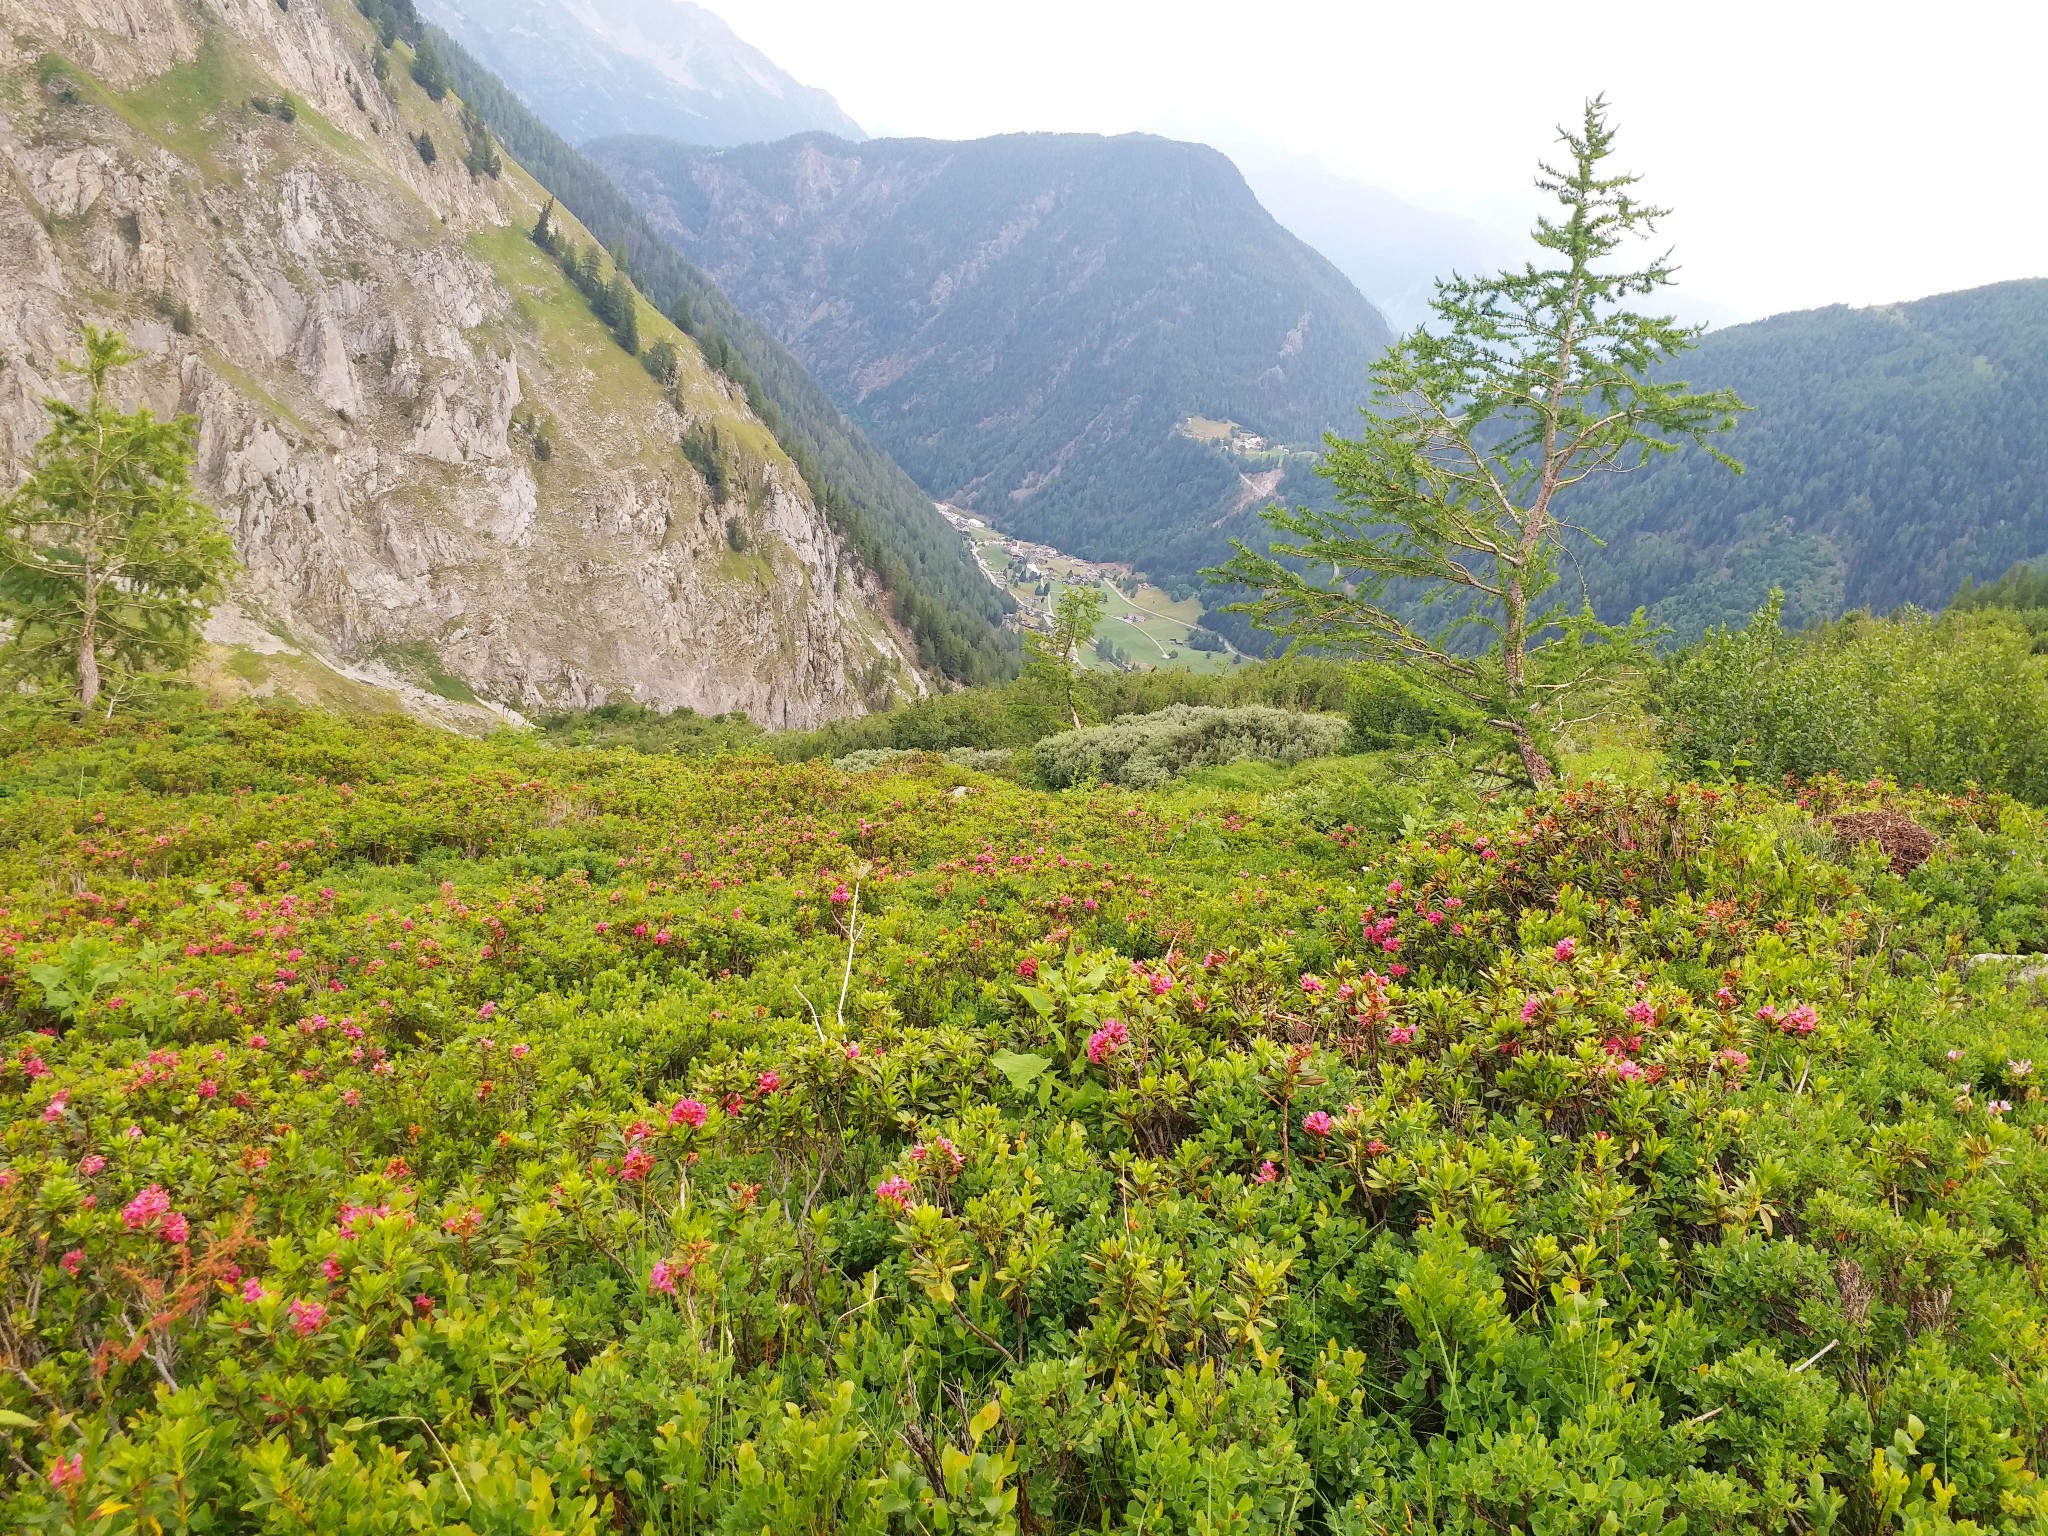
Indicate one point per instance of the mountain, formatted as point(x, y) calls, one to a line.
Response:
point(936, 589)
point(1103, 343)
point(1893, 453)
point(597, 67)
point(1393, 250)
point(437, 461)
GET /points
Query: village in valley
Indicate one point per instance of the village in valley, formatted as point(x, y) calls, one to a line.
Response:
point(1142, 626)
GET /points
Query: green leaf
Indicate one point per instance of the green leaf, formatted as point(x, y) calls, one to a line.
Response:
point(1041, 1001)
point(9, 1419)
point(1021, 1070)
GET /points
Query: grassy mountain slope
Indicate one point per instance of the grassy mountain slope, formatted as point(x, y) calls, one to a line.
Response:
point(1625, 1157)
point(433, 456)
point(1024, 322)
point(1893, 453)
point(937, 592)
point(637, 66)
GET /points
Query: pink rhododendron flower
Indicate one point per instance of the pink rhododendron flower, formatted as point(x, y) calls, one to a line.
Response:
point(133, 1133)
point(331, 1267)
point(1566, 948)
point(1401, 1034)
point(519, 1051)
point(840, 896)
point(1800, 1020)
point(895, 1192)
point(1394, 887)
point(1629, 1072)
point(174, 1228)
point(1028, 968)
point(2019, 1068)
point(308, 1317)
point(1734, 1061)
point(72, 1262)
point(208, 1089)
point(1998, 1107)
point(690, 1112)
point(1317, 1123)
point(66, 1470)
point(54, 1110)
point(1642, 1014)
point(258, 1042)
point(91, 1164)
point(487, 1010)
point(638, 1164)
point(662, 1278)
point(768, 1082)
point(1267, 1172)
point(146, 1209)
point(1113, 1036)
point(1311, 983)
point(851, 1050)
point(1955, 1054)
point(1531, 1006)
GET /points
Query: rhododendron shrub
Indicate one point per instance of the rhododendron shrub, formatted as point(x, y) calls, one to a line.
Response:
point(476, 1133)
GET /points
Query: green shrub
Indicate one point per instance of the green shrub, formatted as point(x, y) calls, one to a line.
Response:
point(1140, 751)
point(998, 760)
point(1946, 701)
point(1390, 708)
point(410, 1133)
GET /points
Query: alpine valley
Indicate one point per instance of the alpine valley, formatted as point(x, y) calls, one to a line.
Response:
point(1102, 343)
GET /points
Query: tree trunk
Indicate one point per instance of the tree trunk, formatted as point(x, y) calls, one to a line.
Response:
point(88, 671)
point(1534, 763)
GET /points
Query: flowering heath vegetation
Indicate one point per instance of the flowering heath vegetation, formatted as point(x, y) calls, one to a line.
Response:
point(410, 1133)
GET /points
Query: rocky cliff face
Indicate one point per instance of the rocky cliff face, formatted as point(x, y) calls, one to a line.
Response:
point(431, 454)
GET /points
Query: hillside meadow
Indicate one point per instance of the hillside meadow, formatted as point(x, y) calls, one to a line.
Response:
point(412, 1133)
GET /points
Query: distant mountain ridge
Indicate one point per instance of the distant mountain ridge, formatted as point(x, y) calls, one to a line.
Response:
point(596, 67)
point(1029, 323)
point(1892, 453)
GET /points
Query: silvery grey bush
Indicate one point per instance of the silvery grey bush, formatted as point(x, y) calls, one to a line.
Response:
point(1142, 750)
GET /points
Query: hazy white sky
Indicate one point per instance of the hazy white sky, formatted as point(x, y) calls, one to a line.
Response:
point(1816, 151)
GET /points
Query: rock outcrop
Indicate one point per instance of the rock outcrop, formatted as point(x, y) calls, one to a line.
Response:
point(428, 449)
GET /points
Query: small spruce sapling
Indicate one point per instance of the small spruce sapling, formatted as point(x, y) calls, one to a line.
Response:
point(108, 562)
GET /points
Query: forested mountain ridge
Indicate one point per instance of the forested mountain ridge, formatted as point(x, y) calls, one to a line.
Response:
point(935, 588)
point(596, 67)
point(1892, 454)
point(1029, 323)
point(434, 453)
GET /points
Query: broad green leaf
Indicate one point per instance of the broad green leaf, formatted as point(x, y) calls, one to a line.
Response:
point(1021, 1070)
